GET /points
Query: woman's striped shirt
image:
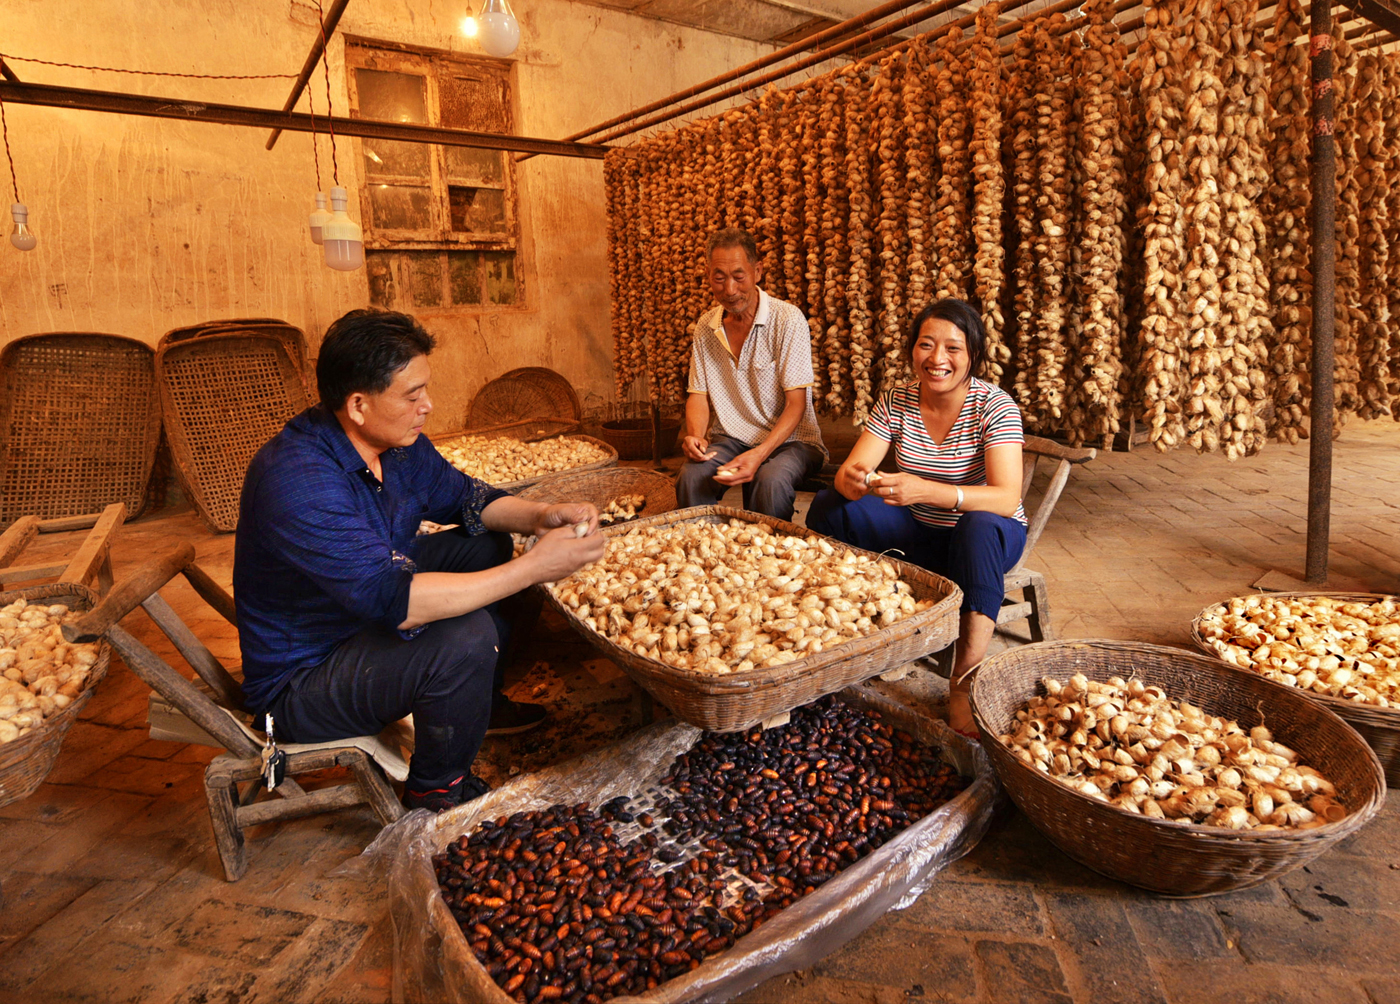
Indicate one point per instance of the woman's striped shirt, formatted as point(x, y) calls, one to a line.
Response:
point(989, 417)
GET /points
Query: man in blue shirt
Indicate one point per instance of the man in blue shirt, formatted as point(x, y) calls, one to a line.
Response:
point(347, 620)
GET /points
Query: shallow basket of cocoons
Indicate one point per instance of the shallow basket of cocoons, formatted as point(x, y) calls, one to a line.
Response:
point(1339, 649)
point(611, 484)
point(1167, 856)
point(27, 759)
point(505, 461)
point(696, 589)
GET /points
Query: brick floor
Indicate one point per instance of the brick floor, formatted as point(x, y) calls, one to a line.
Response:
point(112, 890)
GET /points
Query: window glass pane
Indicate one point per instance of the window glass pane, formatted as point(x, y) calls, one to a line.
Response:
point(464, 275)
point(379, 266)
point(476, 103)
point(393, 97)
point(500, 276)
point(426, 270)
point(398, 207)
point(475, 167)
point(477, 210)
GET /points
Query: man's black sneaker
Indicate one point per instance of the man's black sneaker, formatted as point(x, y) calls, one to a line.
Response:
point(464, 789)
point(510, 717)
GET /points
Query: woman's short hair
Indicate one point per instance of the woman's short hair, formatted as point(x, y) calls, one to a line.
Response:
point(733, 237)
point(963, 316)
point(363, 350)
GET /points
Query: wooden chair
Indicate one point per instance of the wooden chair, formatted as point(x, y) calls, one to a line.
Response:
point(215, 716)
point(1033, 605)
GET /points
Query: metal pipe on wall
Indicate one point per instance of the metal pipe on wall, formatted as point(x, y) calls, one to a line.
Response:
point(312, 58)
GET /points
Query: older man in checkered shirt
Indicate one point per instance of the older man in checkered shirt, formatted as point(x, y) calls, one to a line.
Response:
point(748, 417)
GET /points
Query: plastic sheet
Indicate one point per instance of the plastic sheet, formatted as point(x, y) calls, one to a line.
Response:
point(433, 962)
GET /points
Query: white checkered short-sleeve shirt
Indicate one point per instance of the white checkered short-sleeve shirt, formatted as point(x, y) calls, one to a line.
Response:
point(747, 394)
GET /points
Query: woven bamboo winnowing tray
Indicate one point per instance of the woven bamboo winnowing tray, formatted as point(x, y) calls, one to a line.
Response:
point(26, 761)
point(223, 396)
point(507, 432)
point(604, 486)
point(1380, 727)
point(732, 701)
point(293, 337)
point(523, 394)
point(1165, 856)
point(79, 424)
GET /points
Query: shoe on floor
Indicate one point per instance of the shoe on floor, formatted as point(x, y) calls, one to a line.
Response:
point(458, 792)
point(510, 717)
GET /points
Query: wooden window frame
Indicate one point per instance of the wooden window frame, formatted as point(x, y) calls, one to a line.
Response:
point(374, 54)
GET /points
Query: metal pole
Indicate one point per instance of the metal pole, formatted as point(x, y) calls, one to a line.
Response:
point(1322, 217)
point(185, 110)
point(314, 57)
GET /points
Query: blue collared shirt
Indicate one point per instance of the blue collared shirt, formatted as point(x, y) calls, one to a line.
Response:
point(324, 549)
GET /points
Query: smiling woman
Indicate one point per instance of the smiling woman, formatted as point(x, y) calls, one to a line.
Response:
point(954, 505)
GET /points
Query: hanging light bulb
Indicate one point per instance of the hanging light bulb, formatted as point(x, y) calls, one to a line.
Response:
point(341, 236)
point(499, 31)
point(470, 26)
point(319, 218)
point(21, 236)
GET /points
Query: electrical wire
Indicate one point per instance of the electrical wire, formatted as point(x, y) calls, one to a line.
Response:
point(4, 128)
point(330, 112)
point(152, 73)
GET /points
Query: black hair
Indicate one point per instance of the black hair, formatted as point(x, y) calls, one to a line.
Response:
point(733, 237)
point(363, 350)
point(963, 316)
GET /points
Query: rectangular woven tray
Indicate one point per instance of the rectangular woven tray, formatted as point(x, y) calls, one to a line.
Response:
point(532, 427)
point(223, 396)
point(733, 701)
point(79, 423)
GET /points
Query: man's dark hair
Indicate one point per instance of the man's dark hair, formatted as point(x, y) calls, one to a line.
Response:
point(963, 316)
point(732, 238)
point(363, 350)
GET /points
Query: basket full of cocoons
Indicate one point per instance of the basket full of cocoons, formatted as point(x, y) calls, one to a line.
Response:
point(1167, 770)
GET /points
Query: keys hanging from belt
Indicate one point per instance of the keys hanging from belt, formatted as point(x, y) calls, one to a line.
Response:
point(274, 760)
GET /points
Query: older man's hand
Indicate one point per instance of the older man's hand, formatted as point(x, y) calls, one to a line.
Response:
point(742, 469)
point(697, 448)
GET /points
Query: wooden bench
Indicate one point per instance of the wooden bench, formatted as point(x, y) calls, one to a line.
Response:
point(215, 714)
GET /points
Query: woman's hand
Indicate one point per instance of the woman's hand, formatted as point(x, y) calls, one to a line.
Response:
point(901, 489)
point(566, 514)
point(850, 481)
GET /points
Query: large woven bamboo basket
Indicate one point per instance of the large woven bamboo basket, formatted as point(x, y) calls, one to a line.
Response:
point(733, 701)
point(522, 394)
point(79, 424)
point(602, 487)
point(291, 336)
point(1380, 727)
point(1165, 856)
point(223, 396)
point(609, 461)
point(25, 762)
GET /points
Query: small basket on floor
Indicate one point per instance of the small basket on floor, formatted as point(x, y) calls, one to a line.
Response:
point(733, 701)
point(604, 486)
point(1380, 727)
point(26, 761)
point(1170, 857)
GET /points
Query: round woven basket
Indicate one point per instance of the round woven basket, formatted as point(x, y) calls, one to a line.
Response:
point(602, 487)
point(632, 436)
point(522, 394)
point(1380, 727)
point(1168, 857)
point(25, 762)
